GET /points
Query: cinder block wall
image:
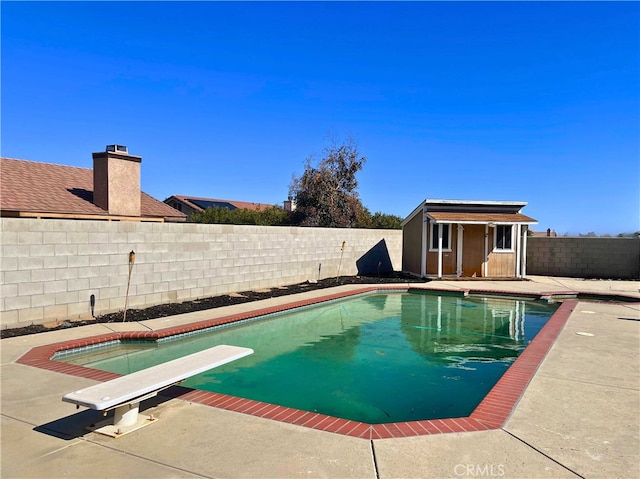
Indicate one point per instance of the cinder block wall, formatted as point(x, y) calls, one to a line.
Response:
point(50, 268)
point(584, 257)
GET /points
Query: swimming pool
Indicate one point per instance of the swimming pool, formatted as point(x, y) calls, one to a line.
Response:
point(376, 358)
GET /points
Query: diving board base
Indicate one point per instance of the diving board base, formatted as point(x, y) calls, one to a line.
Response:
point(126, 419)
point(107, 427)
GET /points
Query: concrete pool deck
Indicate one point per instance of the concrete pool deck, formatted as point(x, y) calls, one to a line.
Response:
point(579, 416)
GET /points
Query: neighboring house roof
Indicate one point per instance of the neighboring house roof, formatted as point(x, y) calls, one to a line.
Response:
point(34, 189)
point(472, 212)
point(548, 233)
point(201, 204)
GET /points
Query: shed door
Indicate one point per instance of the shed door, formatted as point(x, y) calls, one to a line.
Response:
point(472, 250)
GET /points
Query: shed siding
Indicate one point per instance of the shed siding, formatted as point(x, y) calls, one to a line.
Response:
point(500, 265)
point(412, 246)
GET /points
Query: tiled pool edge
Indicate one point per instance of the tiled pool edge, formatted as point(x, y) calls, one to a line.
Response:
point(491, 413)
point(500, 402)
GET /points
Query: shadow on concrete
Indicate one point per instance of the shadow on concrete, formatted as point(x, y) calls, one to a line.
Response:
point(77, 425)
point(375, 261)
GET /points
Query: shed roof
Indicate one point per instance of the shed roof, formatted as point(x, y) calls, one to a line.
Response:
point(472, 211)
point(472, 203)
point(45, 189)
point(480, 218)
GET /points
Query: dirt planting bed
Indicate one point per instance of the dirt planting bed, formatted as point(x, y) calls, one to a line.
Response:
point(171, 309)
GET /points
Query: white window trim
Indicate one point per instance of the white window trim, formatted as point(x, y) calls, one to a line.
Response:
point(495, 241)
point(431, 237)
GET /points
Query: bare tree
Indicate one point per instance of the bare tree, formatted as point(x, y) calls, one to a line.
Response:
point(326, 194)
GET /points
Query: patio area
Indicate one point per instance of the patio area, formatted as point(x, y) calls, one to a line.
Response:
point(579, 416)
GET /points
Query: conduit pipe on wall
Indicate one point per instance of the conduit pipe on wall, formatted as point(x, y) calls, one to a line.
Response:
point(344, 243)
point(132, 260)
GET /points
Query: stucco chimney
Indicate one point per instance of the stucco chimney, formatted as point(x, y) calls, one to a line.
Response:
point(116, 181)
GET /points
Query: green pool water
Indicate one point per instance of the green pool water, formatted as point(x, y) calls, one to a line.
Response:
point(373, 358)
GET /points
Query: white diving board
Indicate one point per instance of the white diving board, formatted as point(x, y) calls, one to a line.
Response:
point(125, 393)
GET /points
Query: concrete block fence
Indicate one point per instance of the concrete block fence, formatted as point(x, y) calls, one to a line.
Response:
point(584, 257)
point(50, 269)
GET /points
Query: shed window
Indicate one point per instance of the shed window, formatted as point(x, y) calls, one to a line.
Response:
point(446, 237)
point(503, 238)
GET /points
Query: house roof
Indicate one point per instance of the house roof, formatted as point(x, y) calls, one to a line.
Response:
point(471, 212)
point(45, 189)
point(201, 204)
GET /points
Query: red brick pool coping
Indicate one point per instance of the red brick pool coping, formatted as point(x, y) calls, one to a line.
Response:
point(491, 413)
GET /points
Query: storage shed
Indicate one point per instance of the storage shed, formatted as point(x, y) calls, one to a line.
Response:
point(462, 238)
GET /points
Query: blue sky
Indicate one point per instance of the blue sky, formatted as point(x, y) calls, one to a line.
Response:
point(536, 102)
